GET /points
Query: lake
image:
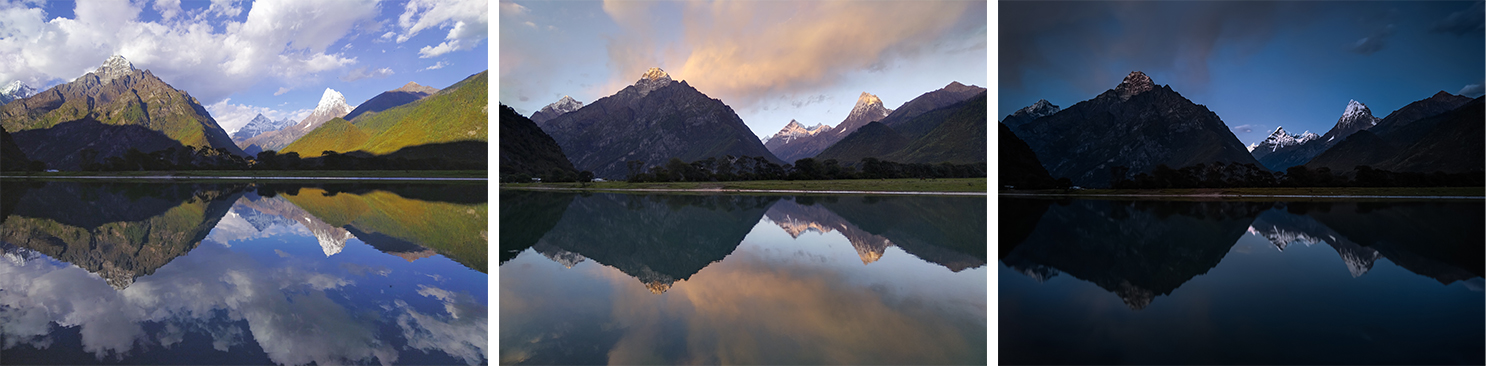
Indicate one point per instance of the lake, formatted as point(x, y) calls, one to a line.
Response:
point(1163, 282)
point(238, 273)
point(741, 279)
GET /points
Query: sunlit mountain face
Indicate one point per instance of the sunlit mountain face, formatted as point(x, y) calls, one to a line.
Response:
point(218, 273)
point(1255, 269)
point(741, 279)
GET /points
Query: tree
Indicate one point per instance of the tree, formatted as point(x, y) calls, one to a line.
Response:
point(584, 177)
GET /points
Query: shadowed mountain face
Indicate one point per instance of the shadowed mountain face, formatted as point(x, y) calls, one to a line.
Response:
point(658, 240)
point(526, 216)
point(406, 94)
point(524, 148)
point(953, 132)
point(1138, 125)
point(930, 228)
point(1136, 250)
point(117, 232)
point(1450, 142)
point(1019, 166)
point(59, 146)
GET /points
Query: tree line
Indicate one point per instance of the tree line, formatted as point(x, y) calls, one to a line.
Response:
point(1220, 175)
point(748, 168)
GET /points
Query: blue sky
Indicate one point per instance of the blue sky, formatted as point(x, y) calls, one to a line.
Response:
point(771, 61)
point(241, 58)
point(1258, 65)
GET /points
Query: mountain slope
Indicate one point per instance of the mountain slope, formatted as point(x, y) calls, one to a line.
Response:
point(1356, 117)
point(1138, 125)
point(957, 136)
point(98, 105)
point(869, 108)
point(875, 140)
point(1019, 167)
point(795, 141)
point(406, 94)
point(258, 126)
point(906, 119)
point(525, 149)
point(1032, 112)
point(11, 156)
point(456, 113)
point(558, 108)
point(332, 105)
point(654, 120)
point(1449, 142)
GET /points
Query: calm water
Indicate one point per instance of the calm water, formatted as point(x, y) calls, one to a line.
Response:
point(666, 279)
point(242, 274)
point(1147, 282)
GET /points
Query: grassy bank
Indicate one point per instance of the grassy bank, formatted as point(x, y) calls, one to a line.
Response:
point(1263, 192)
point(878, 185)
point(263, 173)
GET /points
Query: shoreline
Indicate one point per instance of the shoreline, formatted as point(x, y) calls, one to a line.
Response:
point(720, 190)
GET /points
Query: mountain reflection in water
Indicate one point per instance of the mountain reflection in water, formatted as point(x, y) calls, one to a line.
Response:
point(164, 273)
point(625, 279)
point(1196, 274)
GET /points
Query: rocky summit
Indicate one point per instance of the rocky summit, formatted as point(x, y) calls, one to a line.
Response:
point(106, 112)
point(332, 105)
point(558, 108)
point(868, 108)
point(1137, 125)
point(652, 121)
point(1284, 152)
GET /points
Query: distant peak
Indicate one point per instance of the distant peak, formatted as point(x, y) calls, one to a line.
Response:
point(1442, 94)
point(955, 86)
point(868, 98)
point(794, 123)
point(1135, 83)
point(1279, 131)
point(566, 98)
point(655, 73)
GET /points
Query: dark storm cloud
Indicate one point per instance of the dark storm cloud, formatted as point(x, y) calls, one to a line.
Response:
point(1470, 20)
point(1077, 40)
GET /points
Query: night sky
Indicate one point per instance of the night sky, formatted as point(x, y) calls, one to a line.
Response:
point(771, 61)
point(1257, 65)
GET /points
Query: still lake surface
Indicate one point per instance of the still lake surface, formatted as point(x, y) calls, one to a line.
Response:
point(1160, 282)
point(166, 273)
point(741, 279)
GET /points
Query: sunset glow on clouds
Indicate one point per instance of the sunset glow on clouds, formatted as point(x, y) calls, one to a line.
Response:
point(770, 61)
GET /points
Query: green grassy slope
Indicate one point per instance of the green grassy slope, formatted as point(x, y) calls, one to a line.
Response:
point(456, 113)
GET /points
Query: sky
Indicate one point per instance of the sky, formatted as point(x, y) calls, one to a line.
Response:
point(771, 61)
point(241, 58)
point(1258, 65)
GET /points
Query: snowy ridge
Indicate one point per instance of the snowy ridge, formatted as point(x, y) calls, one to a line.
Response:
point(1040, 109)
point(655, 78)
point(563, 106)
point(1280, 139)
point(115, 67)
point(331, 101)
point(866, 103)
point(14, 91)
point(795, 130)
point(1357, 113)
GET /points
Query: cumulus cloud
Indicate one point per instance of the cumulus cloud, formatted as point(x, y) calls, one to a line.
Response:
point(1468, 21)
point(745, 51)
point(468, 22)
point(362, 73)
point(1472, 90)
point(234, 116)
point(209, 56)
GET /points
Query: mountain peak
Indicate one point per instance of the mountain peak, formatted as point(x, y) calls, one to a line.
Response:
point(1442, 94)
point(1135, 83)
point(794, 124)
point(113, 68)
point(414, 87)
point(653, 79)
point(15, 90)
point(869, 107)
point(1357, 113)
point(655, 73)
point(868, 98)
point(330, 98)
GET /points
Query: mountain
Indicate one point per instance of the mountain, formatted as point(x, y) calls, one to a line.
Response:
point(406, 94)
point(813, 140)
point(1279, 139)
point(525, 149)
point(1356, 117)
point(1019, 167)
point(14, 91)
point(558, 108)
point(11, 156)
point(258, 126)
point(955, 133)
point(332, 105)
point(653, 121)
point(1449, 142)
point(1025, 115)
point(109, 111)
point(1138, 125)
point(454, 114)
point(907, 118)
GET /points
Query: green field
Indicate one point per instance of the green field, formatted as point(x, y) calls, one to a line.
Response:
point(1228, 193)
point(262, 173)
point(876, 185)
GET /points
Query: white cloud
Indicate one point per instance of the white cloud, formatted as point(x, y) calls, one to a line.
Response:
point(468, 20)
point(437, 66)
point(234, 116)
point(168, 8)
point(211, 58)
point(362, 73)
point(1472, 90)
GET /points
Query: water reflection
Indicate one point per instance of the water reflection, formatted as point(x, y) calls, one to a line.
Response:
point(1196, 274)
point(741, 279)
point(239, 273)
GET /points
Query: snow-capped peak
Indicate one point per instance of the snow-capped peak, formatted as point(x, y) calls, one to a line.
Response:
point(15, 90)
point(1279, 138)
point(1040, 109)
point(1135, 83)
point(116, 66)
point(1357, 116)
point(655, 78)
point(794, 129)
point(655, 73)
point(562, 106)
point(330, 101)
point(869, 105)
